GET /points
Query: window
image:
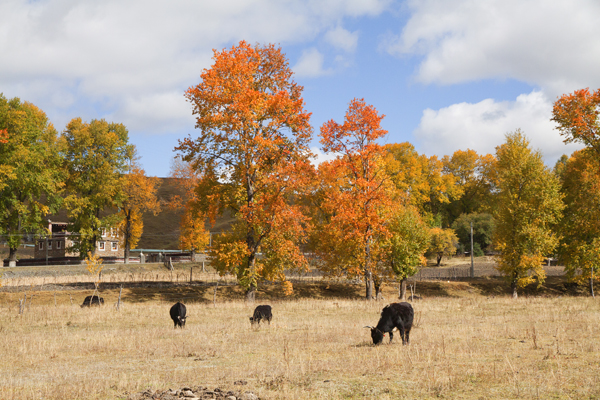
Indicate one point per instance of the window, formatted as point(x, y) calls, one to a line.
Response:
point(41, 245)
point(103, 232)
point(101, 246)
point(114, 246)
point(58, 245)
point(49, 244)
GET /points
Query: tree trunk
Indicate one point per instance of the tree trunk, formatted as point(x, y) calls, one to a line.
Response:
point(403, 289)
point(12, 254)
point(378, 288)
point(368, 273)
point(127, 236)
point(513, 286)
point(251, 294)
point(369, 286)
point(592, 286)
point(439, 258)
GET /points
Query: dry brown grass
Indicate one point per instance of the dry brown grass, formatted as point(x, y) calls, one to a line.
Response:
point(461, 347)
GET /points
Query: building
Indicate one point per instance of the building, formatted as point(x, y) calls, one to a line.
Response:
point(58, 243)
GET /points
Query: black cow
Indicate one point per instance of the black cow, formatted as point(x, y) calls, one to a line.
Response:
point(92, 301)
point(178, 314)
point(261, 312)
point(395, 315)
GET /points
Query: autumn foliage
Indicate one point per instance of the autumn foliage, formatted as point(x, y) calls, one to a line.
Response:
point(529, 205)
point(577, 117)
point(357, 194)
point(31, 179)
point(253, 155)
point(138, 196)
point(193, 234)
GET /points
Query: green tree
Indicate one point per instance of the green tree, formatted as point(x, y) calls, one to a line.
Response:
point(580, 225)
point(483, 229)
point(406, 246)
point(30, 171)
point(252, 151)
point(529, 204)
point(96, 157)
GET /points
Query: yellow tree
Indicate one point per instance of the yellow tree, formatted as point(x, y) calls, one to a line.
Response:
point(405, 248)
point(421, 179)
point(139, 196)
point(359, 201)
point(470, 171)
point(529, 205)
point(96, 155)
point(443, 243)
point(580, 225)
point(253, 153)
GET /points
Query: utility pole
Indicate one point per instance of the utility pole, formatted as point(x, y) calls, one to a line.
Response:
point(472, 267)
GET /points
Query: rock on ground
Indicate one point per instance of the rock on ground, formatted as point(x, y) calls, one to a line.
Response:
point(192, 393)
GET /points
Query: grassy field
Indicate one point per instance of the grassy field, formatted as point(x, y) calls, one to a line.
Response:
point(469, 341)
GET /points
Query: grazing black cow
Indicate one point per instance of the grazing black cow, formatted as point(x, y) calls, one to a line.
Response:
point(178, 314)
point(261, 312)
point(92, 301)
point(395, 315)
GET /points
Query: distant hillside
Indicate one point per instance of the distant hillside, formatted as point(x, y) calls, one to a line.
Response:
point(162, 231)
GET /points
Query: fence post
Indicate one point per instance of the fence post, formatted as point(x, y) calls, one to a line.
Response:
point(472, 266)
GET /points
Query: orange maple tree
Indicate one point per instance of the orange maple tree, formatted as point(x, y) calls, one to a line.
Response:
point(357, 195)
point(3, 135)
point(577, 117)
point(193, 234)
point(252, 150)
point(139, 195)
point(580, 226)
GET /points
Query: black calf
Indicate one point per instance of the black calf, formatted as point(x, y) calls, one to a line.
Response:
point(92, 301)
point(178, 314)
point(395, 315)
point(261, 312)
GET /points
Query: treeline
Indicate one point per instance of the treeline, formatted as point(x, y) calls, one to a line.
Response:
point(87, 169)
point(374, 212)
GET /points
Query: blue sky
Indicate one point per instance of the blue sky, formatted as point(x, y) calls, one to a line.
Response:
point(448, 74)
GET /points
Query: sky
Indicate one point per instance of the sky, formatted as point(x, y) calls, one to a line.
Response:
point(448, 74)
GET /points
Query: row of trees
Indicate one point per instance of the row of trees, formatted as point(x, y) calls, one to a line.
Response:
point(373, 211)
point(89, 169)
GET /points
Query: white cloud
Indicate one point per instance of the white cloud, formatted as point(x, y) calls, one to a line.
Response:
point(112, 55)
point(158, 112)
point(342, 39)
point(550, 44)
point(482, 126)
point(321, 156)
point(311, 64)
